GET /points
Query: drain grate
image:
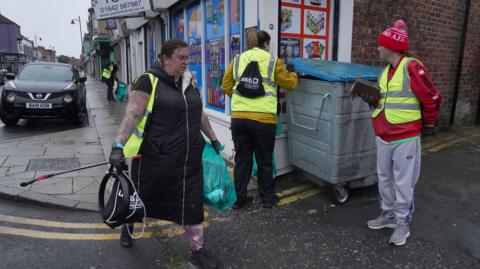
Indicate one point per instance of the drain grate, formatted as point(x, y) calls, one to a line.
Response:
point(55, 164)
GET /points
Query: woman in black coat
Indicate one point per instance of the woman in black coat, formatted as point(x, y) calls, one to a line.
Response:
point(169, 174)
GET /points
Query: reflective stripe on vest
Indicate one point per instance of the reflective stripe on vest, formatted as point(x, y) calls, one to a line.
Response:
point(398, 100)
point(263, 104)
point(132, 147)
point(107, 72)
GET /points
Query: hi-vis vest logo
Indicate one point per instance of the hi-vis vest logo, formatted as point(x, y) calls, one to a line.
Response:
point(250, 83)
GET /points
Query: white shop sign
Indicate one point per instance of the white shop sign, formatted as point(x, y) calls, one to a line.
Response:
point(105, 9)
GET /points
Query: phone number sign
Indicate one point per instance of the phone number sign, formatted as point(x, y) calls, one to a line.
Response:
point(105, 9)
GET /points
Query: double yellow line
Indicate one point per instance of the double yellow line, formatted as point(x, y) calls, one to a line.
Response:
point(167, 228)
point(448, 140)
point(170, 231)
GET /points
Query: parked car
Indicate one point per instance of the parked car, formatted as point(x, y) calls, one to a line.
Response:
point(44, 90)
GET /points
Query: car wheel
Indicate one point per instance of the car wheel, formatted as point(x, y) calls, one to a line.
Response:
point(81, 117)
point(9, 120)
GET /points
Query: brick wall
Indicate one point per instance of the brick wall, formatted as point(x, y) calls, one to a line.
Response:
point(435, 30)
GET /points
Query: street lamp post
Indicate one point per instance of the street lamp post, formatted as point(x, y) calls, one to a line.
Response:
point(36, 48)
point(81, 36)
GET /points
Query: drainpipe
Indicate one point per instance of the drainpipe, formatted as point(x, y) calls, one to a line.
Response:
point(460, 63)
point(336, 25)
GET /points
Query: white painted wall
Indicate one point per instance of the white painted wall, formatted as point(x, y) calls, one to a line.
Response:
point(345, 31)
point(123, 59)
point(137, 51)
point(268, 16)
point(251, 11)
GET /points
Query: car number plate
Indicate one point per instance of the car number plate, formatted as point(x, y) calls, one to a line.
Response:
point(39, 105)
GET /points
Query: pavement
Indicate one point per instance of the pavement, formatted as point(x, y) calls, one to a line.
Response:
point(26, 158)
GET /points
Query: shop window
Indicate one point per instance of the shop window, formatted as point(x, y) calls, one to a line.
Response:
point(304, 29)
point(151, 44)
point(178, 26)
point(215, 53)
point(234, 22)
point(194, 40)
point(208, 45)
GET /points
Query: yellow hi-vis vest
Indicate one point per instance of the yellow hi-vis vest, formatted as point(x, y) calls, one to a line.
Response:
point(266, 64)
point(107, 72)
point(398, 100)
point(134, 142)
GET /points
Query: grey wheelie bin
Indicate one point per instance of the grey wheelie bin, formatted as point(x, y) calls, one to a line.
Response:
point(330, 134)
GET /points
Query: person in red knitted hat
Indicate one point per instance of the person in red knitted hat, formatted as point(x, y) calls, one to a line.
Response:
point(408, 107)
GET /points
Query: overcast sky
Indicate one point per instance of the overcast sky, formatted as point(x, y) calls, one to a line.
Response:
point(50, 20)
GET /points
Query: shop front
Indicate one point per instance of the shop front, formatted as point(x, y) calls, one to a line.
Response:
point(214, 31)
point(12, 62)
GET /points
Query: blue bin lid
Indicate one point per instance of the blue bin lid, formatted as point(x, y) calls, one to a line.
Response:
point(335, 71)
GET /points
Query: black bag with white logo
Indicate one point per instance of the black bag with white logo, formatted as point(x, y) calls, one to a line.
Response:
point(123, 205)
point(251, 81)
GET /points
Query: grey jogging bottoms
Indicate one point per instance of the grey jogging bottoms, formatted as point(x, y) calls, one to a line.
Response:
point(398, 169)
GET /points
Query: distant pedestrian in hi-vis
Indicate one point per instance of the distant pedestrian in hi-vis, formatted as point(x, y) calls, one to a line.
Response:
point(408, 106)
point(251, 80)
point(162, 122)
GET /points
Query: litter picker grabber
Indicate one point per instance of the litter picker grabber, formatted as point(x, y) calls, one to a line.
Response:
point(26, 183)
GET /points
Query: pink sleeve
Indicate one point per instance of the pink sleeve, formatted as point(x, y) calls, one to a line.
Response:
point(426, 92)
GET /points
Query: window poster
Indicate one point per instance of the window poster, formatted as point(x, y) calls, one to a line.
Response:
point(194, 40)
point(313, 48)
point(290, 20)
point(215, 53)
point(234, 22)
point(290, 48)
point(314, 22)
point(316, 3)
point(216, 67)
point(214, 17)
point(304, 30)
point(178, 25)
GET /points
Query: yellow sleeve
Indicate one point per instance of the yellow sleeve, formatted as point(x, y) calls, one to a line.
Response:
point(285, 79)
point(228, 82)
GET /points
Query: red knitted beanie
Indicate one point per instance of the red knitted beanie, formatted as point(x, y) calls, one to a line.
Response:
point(395, 38)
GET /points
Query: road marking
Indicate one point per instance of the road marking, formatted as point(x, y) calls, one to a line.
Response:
point(71, 225)
point(66, 225)
point(169, 232)
point(62, 236)
point(454, 141)
point(299, 196)
point(295, 189)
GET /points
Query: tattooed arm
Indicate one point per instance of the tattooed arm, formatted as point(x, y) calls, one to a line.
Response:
point(207, 128)
point(137, 102)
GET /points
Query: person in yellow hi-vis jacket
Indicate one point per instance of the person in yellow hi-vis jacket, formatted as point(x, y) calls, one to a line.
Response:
point(408, 107)
point(163, 122)
point(254, 118)
point(109, 76)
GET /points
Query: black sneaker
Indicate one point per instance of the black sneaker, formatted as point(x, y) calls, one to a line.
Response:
point(245, 203)
point(125, 238)
point(203, 259)
point(270, 204)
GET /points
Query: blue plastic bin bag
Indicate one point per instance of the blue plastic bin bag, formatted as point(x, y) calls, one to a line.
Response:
point(218, 187)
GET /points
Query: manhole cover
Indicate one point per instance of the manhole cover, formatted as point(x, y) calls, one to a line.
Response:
point(52, 164)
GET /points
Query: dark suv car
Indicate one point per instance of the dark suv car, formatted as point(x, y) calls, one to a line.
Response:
point(44, 90)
